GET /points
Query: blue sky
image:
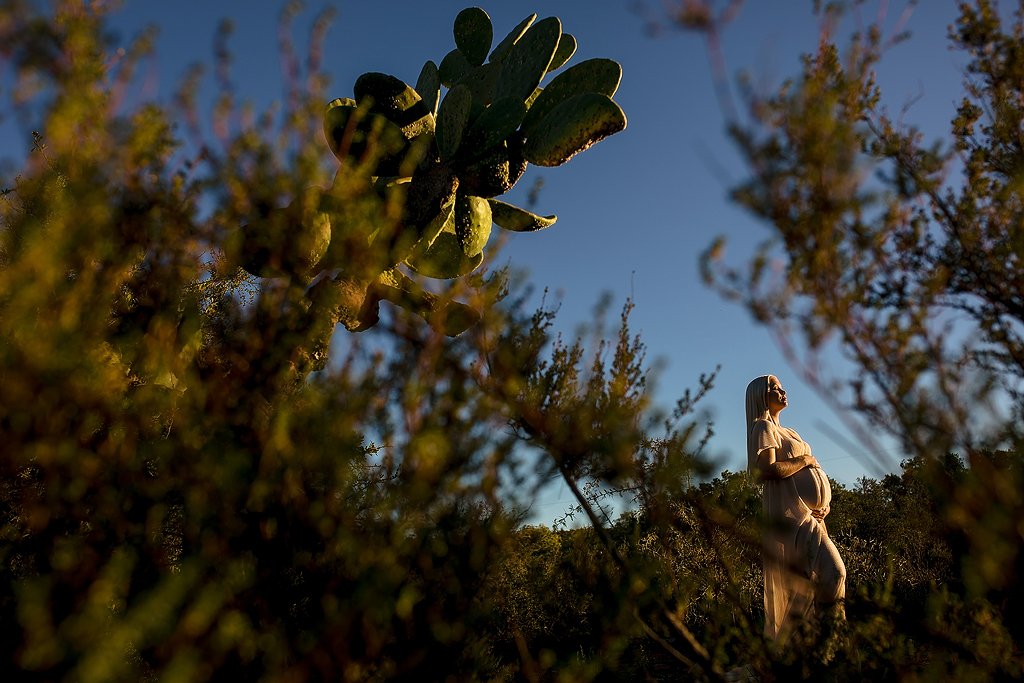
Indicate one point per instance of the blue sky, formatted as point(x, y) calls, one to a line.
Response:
point(635, 211)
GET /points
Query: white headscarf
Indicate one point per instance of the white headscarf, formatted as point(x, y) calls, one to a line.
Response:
point(757, 409)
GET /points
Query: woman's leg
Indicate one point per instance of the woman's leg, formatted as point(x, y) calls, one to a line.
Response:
point(829, 573)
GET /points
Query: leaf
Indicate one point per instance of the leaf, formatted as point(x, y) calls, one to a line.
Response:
point(533, 98)
point(481, 81)
point(458, 317)
point(396, 100)
point(573, 126)
point(473, 34)
point(452, 116)
point(336, 122)
point(508, 41)
point(494, 125)
point(472, 223)
point(593, 75)
point(453, 68)
point(355, 134)
point(566, 49)
point(513, 218)
point(494, 173)
point(445, 259)
point(428, 85)
point(452, 317)
point(527, 61)
point(444, 221)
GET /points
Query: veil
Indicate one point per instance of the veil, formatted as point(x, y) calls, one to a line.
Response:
point(757, 408)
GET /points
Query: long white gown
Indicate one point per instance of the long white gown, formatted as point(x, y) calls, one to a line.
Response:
point(801, 564)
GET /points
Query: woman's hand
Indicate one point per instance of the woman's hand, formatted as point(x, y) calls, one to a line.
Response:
point(821, 514)
point(772, 469)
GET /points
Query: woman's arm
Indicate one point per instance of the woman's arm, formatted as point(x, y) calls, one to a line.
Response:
point(771, 468)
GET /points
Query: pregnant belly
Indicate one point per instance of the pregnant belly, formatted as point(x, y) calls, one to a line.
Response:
point(813, 488)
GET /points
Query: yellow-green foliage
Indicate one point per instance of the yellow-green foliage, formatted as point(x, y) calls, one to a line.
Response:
point(904, 255)
point(199, 480)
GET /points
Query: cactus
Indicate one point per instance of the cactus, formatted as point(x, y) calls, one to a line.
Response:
point(514, 35)
point(453, 67)
point(444, 221)
point(482, 82)
point(497, 171)
point(430, 167)
point(397, 101)
point(430, 191)
point(473, 34)
point(472, 223)
point(526, 62)
point(445, 259)
point(452, 117)
point(566, 49)
point(451, 317)
point(494, 125)
point(428, 86)
point(573, 126)
point(514, 219)
point(355, 134)
point(593, 75)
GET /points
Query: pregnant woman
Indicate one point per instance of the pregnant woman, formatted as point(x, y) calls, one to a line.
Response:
point(803, 572)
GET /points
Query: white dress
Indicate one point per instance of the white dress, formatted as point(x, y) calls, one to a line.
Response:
point(801, 564)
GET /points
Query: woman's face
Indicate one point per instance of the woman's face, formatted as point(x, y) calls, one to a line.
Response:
point(776, 395)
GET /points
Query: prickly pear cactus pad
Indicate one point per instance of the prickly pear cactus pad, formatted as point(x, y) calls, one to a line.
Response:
point(441, 151)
